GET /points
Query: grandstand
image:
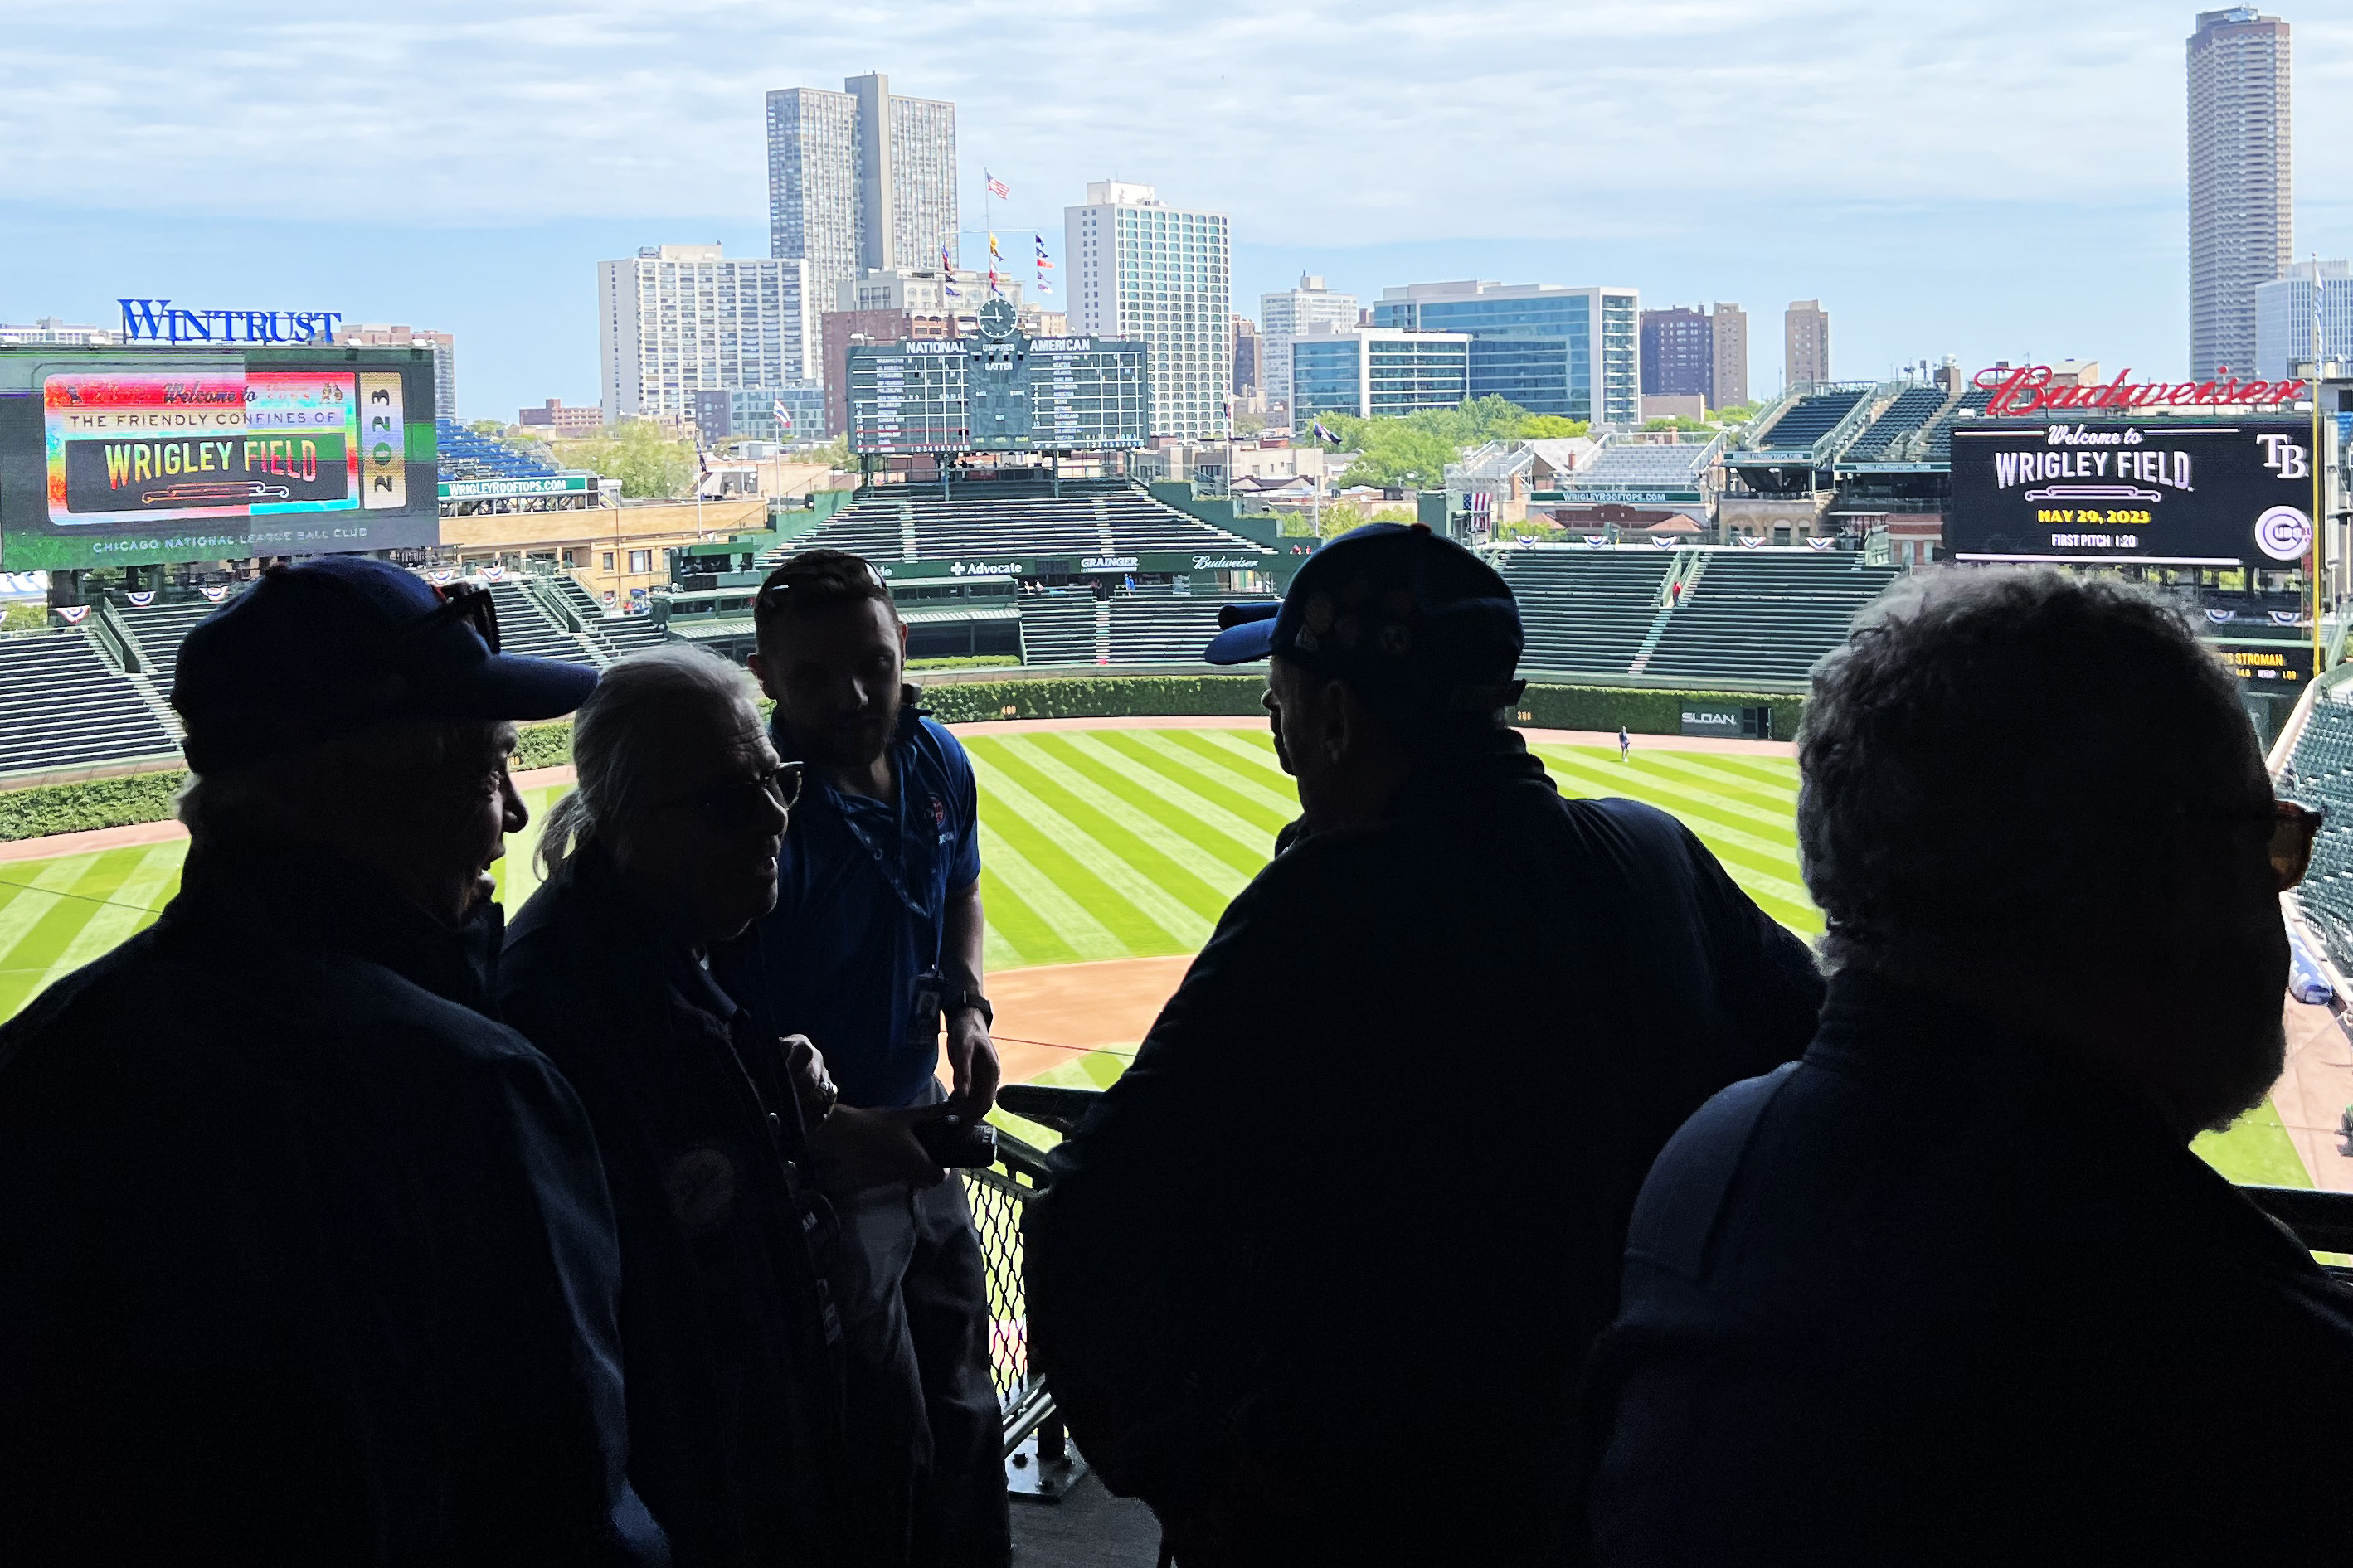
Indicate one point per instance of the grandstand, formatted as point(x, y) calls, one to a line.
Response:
point(1935, 442)
point(1764, 615)
point(1804, 422)
point(1066, 628)
point(160, 629)
point(1645, 465)
point(63, 704)
point(469, 455)
point(2319, 773)
point(1013, 520)
point(1913, 407)
point(1586, 610)
point(526, 628)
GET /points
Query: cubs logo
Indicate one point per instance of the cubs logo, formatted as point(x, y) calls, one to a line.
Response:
point(939, 812)
point(702, 1185)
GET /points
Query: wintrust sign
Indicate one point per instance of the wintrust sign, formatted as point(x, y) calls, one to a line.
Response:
point(2028, 389)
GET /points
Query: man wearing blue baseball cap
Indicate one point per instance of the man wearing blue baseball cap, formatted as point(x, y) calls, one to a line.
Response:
point(306, 1259)
point(1317, 1274)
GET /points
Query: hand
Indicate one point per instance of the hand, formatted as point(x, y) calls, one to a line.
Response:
point(812, 1085)
point(972, 1059)
point(866, 1148)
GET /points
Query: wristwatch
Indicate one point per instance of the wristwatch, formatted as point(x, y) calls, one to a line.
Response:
point(975, 1001)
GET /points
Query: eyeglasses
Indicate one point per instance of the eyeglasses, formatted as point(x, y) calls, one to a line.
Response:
point(746, 803)
point(2293, 830)
point(467, 605)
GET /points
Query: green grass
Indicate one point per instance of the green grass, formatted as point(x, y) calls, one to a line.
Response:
point(1094, 844)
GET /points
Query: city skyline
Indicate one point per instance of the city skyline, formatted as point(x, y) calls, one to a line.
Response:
point(1880, 181)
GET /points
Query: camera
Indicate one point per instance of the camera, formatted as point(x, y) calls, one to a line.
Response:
point(957, 1142)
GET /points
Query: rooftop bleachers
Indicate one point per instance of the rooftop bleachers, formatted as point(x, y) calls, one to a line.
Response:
point(62, 705)
point(1584, 610)
point(1810, 419)
point(1640, 465)
point(161, 628)
point(2320, 772)
point(1911, 410)
point(1760, 616)
point(469, 455)
point(1936, 441)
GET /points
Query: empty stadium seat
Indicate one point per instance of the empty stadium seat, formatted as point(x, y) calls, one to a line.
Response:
point(1059, 628)
point(1757, 616)
point(1644, 465)
point(469, 455)
point(161, 628)
point(525, 628)
point(63, 705)
point(1912, 409)
point(2320, 772)
point(979, 522)
point(1810, 419)
point(1937, 441)
point(1584, 610)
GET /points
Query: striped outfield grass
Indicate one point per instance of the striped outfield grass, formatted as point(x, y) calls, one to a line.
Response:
point(1095, 845)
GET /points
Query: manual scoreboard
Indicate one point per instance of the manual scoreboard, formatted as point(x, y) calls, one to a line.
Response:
point(998, 391)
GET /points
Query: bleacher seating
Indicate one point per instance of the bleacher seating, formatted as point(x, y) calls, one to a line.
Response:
point(1584, 610)
point(1644, 465)
point(525, 628)
point(1912, 409)
point(1157, 626)
point(1937, 441)
point(2320, 772)
point(469, 455)
point(1810, 419)
point(1762, 617)
point(63, 705)
point(161, 628)
point(1058, 628)
point(1003, 521)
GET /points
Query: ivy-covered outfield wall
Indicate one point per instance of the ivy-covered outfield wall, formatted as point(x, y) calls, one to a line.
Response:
point(147, 797)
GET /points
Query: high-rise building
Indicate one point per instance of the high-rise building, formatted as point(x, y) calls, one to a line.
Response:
point(847, 330)
point(860, 179)
point(676, 320)
point(1286, 317)
point(1378, 372)
point(445, 356)
point(1678, 353)
point(1249, 377)
point(1574, 353)
point(1141, 268)
point(2284, 317)
point(2241, 224)
point(1805, 344)
point(1728, 349)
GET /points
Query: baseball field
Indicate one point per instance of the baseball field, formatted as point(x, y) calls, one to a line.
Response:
point(1103, 848)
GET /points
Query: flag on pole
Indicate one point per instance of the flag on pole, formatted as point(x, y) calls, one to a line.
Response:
point(1041, 253)
point(1324, 435)
point(992, 248)
point(783, 415)
point(997, 188)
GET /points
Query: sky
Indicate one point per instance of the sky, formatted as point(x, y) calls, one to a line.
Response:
point(2003, 179)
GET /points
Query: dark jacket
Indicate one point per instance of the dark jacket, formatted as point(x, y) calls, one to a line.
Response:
point(727, 1341)
point(1941, 1292)
point(303, 1258)
point(1326, 1259)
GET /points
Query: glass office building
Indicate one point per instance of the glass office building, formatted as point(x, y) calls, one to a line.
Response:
point(1575, 353)
point(1379, 372)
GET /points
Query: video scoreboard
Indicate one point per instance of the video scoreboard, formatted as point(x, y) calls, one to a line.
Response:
point(129, 457)
point(1000, 392)
point(2181, 492)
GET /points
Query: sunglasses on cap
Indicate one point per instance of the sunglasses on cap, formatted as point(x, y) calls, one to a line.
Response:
point(467, 605)
point(2294, 829)
point(746, 803)
point(828, 575)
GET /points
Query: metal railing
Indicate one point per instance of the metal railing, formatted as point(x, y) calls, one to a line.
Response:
point(1040, 1463)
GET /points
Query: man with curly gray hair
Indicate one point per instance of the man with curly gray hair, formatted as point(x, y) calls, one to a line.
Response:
point(1952, 1288)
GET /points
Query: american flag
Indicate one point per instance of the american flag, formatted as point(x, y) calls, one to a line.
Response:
point(997, 188)
point(784, 415)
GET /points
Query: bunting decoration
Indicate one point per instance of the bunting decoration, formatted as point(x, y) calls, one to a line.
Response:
point(141, 601)
point(215, 592)
point(1749, 542)
point(1820, 543)
point(440, 575)
point(1662, 542)
point(495, 572)
point(1597, 540)
point(73, 614)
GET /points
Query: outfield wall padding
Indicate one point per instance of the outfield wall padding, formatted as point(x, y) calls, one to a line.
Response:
point(130, 798)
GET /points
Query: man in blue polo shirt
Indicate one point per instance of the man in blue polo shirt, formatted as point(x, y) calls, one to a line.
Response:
point(873, 948)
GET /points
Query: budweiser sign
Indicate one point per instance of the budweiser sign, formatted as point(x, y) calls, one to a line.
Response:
point(2028, 389)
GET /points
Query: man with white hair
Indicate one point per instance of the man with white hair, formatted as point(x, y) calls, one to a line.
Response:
point(302, 1257)
point(729, 1339)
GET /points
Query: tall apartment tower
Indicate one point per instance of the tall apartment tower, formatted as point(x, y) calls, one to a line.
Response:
point(1678, 353)
point(676, 320)
point(1728, 349)
point(445, 356)
point(1805, 344)
point(2241, 232)
point(1142, 268)
point(1285, 318)
point(860, 179)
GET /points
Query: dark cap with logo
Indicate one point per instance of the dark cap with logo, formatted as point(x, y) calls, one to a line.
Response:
point(341, 642)
point(1398, 613)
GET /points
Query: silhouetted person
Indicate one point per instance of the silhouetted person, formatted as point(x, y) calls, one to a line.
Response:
point(728, 1343)
point(303, 1258)
point(1316, 1278)
point(1953, 1288)
point(874, 951)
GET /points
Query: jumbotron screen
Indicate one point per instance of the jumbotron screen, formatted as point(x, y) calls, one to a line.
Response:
point(2219, 492)
point(1010, 394)
point(114, 457)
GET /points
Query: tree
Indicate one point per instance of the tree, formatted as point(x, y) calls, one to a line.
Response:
point(638, 452)
point(1410, 452)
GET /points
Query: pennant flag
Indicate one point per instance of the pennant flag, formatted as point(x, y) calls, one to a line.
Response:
point(703, 461)
point(993, 250)
point(1041, 253)
point(997, 188)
